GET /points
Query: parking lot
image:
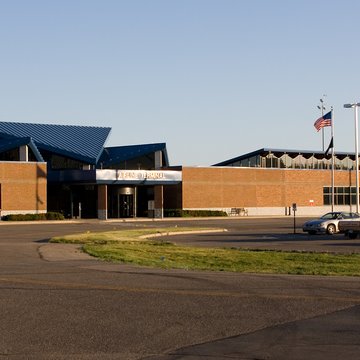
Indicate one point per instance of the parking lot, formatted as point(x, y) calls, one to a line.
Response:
point(265, 233)
point(71, 307)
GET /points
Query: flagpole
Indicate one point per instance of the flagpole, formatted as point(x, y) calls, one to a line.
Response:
point(322, 130)
point(322, 108)
point(357, 158)
point(332, 162)
point(328, 120)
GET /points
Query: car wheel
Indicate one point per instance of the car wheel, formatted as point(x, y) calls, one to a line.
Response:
point(352, 235)
point(331, 229)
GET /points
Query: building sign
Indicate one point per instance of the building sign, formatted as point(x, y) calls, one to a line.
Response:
point(148, 177)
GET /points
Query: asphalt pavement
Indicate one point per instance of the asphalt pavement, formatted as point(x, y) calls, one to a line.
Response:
point(296, 340)
point(57, 303)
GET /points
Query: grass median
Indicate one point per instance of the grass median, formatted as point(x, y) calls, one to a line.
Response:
point(140, 247)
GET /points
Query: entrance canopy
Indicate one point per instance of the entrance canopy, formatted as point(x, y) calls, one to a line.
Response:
point(114, 177)
point(138, 177)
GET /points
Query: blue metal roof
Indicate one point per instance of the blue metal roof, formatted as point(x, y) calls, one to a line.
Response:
point(115, 155)
point(83, 143)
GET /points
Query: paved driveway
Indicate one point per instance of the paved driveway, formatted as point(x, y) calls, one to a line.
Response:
point(236, 238)
point(55, 304)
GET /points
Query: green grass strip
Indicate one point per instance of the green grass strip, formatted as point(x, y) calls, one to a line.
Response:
point(129, 248)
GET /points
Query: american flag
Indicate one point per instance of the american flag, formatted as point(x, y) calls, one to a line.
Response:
point(323, 121)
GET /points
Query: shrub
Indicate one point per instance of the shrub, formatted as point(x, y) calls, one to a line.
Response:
point(54, 216)
point(193, 213)
point(33, 217)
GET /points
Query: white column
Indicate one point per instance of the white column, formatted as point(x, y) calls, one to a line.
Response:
point(24, 153)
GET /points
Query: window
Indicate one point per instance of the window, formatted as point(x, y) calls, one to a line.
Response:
point(10, 155)
point(272, 161)
point(298, 162)
point(254, 161)
point(342, 195)
point(285, 161)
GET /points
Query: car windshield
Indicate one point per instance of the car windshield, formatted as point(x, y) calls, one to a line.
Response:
point(329, 216)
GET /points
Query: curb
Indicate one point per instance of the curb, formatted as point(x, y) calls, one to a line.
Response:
point(169, 233)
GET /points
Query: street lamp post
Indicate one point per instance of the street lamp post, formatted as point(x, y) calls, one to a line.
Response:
point(355, 107)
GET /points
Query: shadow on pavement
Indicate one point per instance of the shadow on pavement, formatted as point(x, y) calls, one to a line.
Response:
point(312, 339)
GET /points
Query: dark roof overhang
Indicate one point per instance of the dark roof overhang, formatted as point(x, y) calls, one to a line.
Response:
point(9, 144)
point(115, 155)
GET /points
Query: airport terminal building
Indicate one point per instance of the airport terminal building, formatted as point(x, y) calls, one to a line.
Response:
point(69, 169)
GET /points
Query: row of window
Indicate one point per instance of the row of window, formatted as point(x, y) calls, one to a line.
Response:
point(299, 162)
point(343, 195)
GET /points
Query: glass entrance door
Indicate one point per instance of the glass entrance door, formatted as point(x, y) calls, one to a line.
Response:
point(121, 202)
point(126, 205)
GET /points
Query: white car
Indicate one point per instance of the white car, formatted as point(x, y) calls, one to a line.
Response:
point(328, 223)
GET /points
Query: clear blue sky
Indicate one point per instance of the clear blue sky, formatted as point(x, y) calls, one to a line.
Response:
point(213, 79)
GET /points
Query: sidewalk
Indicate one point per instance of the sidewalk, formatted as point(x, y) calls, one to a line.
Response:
point(124, 220)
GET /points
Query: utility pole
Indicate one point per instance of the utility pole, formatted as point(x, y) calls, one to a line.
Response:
point(355, 106)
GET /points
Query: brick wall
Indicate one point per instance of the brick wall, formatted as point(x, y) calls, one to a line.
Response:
point(216, 187)
point(23, 187)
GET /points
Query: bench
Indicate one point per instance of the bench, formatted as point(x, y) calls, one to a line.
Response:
point(238, 212)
